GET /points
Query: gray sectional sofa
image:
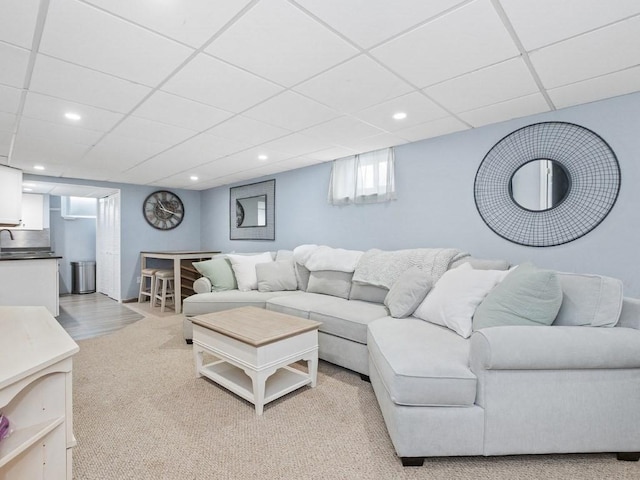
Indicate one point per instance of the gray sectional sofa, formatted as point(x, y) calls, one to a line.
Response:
point(572, 386)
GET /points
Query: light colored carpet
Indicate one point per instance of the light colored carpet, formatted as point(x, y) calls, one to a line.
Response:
point(140, 413)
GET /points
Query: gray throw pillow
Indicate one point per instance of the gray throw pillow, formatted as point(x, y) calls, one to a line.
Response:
point(407, 293)
point(593, 300)
point(527, 296)
point(219, 272)
point(330, 282)
point(276, 276)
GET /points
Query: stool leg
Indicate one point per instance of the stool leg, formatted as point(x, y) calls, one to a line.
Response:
point(163, 301)
point(152, 289)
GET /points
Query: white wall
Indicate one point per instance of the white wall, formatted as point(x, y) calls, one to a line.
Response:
point(436, 208)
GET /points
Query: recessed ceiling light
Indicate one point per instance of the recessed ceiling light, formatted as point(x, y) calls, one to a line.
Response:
point(263, 157)
point(27, 189)
point(72, 116)
point(399, 116)
point(193, 177)
point(38, 167)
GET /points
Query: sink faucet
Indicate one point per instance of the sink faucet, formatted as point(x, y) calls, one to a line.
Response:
point(10, 234)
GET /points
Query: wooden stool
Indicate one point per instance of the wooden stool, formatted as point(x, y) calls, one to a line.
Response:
point(163, 288)
point(147, 273)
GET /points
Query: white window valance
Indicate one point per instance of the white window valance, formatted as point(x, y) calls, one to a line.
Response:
point(364, 178)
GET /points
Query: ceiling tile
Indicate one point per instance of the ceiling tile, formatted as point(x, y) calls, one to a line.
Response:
point(518, 107)
point(354, 85)
point(248, 130)
point(196, 151)
point(376, 142)
point(542, 22)
point(35, 150)
point(5, 145)
point(494, 84)
point(9, 99)
point(173, 110)
point(464, 40)
point(18, 21)
point(590, 55)
point(216, 83)
point(292, 111)
point(368, 22)
point(329, 154)
point(85, 171)
point(7, 122)
point(341, 130)
point(14, 63)
point(150, 131)
point(442, 126)
point(32, 127)
point(419, 109)
point(52, 110)
point(296, 144)
point(298, 46)
point(614, 84)
point(120, 153)
point(78, 84)
point(192, 22)
point(85, 35)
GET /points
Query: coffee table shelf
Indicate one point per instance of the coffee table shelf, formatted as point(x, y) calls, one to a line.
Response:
point(284, 381)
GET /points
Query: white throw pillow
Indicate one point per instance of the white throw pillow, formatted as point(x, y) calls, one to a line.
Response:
point(453, 299)
point(244, 268)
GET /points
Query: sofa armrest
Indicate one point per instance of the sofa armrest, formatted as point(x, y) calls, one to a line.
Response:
point(554, 348)
point(202, 285)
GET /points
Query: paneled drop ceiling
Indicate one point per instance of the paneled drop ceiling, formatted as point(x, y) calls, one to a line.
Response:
point(171, 89)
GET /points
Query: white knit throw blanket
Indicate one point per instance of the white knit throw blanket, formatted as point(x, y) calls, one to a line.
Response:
point(382, 269)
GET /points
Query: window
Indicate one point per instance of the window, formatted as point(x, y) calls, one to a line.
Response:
point(364, 178)
point(78, 207)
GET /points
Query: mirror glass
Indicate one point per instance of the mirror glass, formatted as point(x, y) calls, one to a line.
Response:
point(540, 185)
point(251, 211)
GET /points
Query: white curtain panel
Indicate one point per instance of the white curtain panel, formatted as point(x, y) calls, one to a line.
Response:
point(364, 178)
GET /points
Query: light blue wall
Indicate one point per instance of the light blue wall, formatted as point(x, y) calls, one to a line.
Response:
point(136, 234)
point(75, 240)
point(436, 208)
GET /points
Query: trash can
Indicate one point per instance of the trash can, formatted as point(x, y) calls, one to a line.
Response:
point(83, 277)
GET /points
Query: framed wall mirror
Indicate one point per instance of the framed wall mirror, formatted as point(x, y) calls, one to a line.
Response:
point(252, 211)
point(547, 184)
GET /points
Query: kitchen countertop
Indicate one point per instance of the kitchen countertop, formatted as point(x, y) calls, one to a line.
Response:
point(28, 255)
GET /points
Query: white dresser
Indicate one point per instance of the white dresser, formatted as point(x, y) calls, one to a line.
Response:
point(35, 395)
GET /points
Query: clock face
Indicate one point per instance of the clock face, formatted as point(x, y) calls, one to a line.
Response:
point(163, 210)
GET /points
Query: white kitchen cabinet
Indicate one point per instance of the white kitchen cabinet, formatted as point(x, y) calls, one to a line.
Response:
point(36, 395)
point(32, 216)
point(10, 195)
point(32, 282)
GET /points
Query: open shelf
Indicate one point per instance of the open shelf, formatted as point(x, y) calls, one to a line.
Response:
point(283, 381)
point(23, 438)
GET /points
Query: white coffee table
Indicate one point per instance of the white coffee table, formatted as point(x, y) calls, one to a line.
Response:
point(254, 348)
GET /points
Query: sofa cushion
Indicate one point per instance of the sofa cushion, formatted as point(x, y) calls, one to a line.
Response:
point(407, 293)
point(454, 298)
point(219, 272)
point(276, 276)
point(217, 301)
point(244, 267)
point(421, 364)
point(298, 305)
point(347, 318)
point(368, 293)
point(302, 276)
point(527, 296)
point(330, 282)
point(593, 300)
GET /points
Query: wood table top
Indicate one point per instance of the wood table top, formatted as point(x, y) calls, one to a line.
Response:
point(255, 326)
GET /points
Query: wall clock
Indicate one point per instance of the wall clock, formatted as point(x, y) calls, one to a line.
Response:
point(163, 210)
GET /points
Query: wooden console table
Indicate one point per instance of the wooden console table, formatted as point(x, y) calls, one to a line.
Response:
point(177, 257)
